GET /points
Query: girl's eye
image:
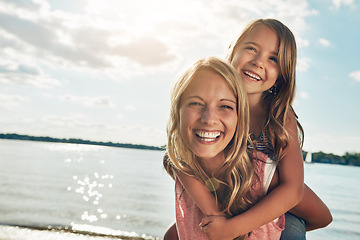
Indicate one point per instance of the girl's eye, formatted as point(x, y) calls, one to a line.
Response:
point(274, 59)
point(251, 49)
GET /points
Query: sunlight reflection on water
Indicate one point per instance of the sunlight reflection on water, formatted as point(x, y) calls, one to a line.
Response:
point(91, 191)
point(67, 185)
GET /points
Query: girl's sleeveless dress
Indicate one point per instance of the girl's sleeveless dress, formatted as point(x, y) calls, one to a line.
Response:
point(189, 216)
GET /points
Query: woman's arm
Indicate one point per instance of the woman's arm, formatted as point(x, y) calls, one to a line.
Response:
point(171, 233)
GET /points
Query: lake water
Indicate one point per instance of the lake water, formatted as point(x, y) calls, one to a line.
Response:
point(125, 192)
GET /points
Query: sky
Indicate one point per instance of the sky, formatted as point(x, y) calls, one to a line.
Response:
point(102, 69)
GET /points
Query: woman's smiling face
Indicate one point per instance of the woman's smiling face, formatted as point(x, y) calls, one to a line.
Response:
point(208, 115)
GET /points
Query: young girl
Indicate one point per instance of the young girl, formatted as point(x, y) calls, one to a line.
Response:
point(265, 56)
point(207, 138)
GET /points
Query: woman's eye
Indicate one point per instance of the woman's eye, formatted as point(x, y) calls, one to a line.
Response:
point(227, 107)
point(195, 104)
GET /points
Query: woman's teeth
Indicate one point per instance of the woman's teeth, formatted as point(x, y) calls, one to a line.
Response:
point(207, 136)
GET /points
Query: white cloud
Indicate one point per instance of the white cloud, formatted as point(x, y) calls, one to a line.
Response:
point(147, 51)
point(355, 75)
point(31, 80)
point(117, 39)
point(331, 142)
point(69, 121)
point(130, 108)
point(303, 95)
point(8, 100)
point(22, 73)
point(79, 41)
point(324, 42)
point(300, 42)
point(300, 95)
point(78, 126)
point(101, 101)
point(303, 64)
point(149, 37)
point(339, 3)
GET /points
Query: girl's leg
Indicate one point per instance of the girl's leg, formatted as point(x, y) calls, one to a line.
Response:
point(171, 233)
point(295, 228)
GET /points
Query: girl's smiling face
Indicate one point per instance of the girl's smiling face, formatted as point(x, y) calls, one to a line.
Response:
point(208, 115)
point(255, 59)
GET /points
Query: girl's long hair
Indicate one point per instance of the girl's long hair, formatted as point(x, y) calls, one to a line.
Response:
point(237, 171)
point(280, 104)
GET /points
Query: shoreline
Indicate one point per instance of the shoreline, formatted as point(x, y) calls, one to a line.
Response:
point(9, 231)
point(352, 159)
point(22, 137)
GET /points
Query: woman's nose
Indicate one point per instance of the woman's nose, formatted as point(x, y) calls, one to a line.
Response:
point(209, 115)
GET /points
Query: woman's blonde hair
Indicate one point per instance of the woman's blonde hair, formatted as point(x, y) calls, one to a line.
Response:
point(237, 171)
point(279, 102)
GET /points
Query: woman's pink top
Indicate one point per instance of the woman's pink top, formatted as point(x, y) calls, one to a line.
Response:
point(189, 216)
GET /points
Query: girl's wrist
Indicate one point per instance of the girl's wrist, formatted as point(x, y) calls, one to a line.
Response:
point(236, 226)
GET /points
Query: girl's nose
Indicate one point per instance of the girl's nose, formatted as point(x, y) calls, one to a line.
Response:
point(209, 115)
point(258, 62)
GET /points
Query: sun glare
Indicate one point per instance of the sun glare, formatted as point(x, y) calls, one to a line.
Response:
point(136, 18)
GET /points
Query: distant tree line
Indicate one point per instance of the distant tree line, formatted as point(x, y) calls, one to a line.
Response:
point(347, 159)
point(317, 157)
point(77, 141)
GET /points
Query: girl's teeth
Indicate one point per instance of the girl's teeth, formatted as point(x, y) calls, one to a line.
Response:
point(252, 75)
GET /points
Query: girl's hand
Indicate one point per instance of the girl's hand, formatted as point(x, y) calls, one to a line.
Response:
point(216, 228)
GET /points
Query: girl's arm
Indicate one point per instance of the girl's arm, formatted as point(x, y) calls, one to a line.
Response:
point(284, 197)
point(311, 209)
point(314, 211)
point(199, 194)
